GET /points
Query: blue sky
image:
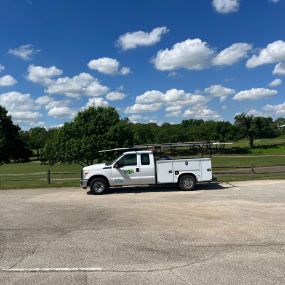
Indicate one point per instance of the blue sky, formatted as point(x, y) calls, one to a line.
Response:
point(161, 61)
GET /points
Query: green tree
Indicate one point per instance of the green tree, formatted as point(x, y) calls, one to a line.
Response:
point(144, 133)
point(169, 133)
point(198, 130)
point(12, 146)
point(280, 125)
point(255, 127)
point(91, 131)
point(37, 139)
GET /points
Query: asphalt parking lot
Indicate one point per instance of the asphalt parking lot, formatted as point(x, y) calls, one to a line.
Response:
point(219, 234)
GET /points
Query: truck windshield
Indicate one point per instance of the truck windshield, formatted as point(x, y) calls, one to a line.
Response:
point(111, 162)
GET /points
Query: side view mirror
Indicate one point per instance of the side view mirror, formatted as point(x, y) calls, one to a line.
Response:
point(116, 165)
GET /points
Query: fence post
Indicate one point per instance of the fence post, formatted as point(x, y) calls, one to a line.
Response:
point(48, 176)
point(252, 170)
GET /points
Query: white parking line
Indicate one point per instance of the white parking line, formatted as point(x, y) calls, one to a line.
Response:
point(56, 269)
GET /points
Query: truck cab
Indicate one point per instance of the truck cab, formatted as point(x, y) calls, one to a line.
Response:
point(133, 168)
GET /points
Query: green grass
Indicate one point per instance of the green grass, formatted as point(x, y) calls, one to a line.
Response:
point(247, 177)
point(273, 148)
point(35, 166)
point(246, 161)
point(262, 146)
point(34, 175)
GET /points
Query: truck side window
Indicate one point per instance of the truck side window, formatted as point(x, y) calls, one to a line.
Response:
point(145, 159)
point(128, 160)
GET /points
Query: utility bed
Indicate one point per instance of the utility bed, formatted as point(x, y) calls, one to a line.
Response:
point(168, 171)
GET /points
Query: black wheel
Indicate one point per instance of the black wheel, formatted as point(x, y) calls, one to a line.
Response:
point(187, 182)
point(99, 186)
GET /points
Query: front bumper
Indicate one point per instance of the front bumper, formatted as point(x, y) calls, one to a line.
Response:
point(83, 183)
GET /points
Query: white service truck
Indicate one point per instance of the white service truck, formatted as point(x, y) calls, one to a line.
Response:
point(141, 168)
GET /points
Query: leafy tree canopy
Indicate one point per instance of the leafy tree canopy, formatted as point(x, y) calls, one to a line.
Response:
point(91, 131)
point(12, 145)
point(255, 127)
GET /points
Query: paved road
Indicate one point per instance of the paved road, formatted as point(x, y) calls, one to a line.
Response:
point(219, 234)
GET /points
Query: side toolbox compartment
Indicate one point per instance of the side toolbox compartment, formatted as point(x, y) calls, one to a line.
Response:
point(187, 166)
point(164, 170)
point(206, 170)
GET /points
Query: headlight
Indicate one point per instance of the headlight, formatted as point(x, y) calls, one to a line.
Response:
point(85, 172)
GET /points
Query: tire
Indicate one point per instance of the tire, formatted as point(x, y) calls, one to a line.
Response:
point(99, 186)
point(187, 182)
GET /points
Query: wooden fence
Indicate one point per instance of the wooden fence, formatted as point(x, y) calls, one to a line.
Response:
point(49, 177)
point(40, 178)
point(252, 170)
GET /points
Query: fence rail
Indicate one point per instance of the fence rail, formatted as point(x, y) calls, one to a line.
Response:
point(237, 170)
point(49, 177)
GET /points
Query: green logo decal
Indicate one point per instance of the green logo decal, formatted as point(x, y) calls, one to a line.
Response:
point(129, 171)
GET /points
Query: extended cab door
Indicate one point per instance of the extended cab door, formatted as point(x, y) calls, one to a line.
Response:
point(147, 170)
point(128, 172)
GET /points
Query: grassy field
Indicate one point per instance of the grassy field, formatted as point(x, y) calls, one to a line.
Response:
point(247, 160)
point(33, 175)
point(262, 146)
point(246, 177)
point(270, 152)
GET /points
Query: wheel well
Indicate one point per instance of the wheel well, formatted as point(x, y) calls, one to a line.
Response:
point(184, 174)
point(97, 176)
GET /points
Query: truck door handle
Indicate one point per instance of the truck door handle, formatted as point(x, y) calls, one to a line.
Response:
point(137, 170)
point(170, 171)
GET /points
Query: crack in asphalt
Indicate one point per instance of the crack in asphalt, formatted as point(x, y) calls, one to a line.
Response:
point(24, 257)
point(179, 277)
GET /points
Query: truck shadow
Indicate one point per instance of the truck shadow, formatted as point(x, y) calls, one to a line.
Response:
point(164, 188)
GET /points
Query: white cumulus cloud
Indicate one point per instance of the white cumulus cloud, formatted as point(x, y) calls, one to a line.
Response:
point(61, 112)
point(219, 91)
point(173, 108)
point(115, 96)
point(173, 100)
point(192, 54)
point(232, 54)
point(20, 106)
point(279, 69)
point(171, 96)
point(275, 82)
point(226, 6)
point(254, 94)
point(43, 75)
point(17, 101)
point(275, 110)
point(82, 84)
point(149, 97)
point(174, 114)
point(25, 116)
point(140, 38)
point(24, 52)
point(202, 113)
point(273, 53)
point(7, 80)
point(143, 108)
point(135, 118)
point(97, 102)
point(108, 65)
point(48, 102)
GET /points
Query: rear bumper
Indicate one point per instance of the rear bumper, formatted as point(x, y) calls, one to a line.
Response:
point(83, 183)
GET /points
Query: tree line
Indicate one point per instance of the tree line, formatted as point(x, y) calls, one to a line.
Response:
point(94, 129)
